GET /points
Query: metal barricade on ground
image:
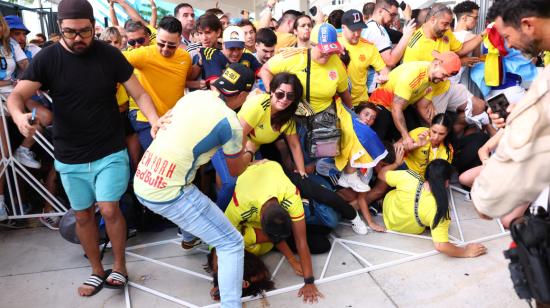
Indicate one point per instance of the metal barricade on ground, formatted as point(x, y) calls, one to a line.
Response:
point(14, 171)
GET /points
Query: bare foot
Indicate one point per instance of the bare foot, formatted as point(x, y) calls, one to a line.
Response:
point(376, 227)
point(114, 282)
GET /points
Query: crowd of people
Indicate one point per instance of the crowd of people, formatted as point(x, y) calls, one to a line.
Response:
point(304, 121)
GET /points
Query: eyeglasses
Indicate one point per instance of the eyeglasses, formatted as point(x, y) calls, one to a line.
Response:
point(167, 45)
point(71, 33)
point(140, 41)
point(282, 94)
point(391, 14)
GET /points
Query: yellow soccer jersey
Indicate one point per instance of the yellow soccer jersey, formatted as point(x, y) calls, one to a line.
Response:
point(398, 207)
point(121, 95)
point(546, 58)
point(420, 48)
point(409, 81)
point(325, 81)
point(162, 78)
point(255, 186)
point(284, 40)
point(256, 111)
point(363, 55)
point(417, 160)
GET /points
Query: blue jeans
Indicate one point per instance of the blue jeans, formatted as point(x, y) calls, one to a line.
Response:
point(228, 181)
point(143, 129)
point(195, 213)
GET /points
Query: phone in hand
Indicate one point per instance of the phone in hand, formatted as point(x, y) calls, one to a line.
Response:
point(402, 5)
point(499, 104)
point(32, 120)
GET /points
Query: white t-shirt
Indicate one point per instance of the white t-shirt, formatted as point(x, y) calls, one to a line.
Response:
point(8, 63)
point(378, 35)
point(33, 49)
point(462, 36)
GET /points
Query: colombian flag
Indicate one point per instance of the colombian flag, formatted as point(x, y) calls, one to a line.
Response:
point(494, 70)
point(360, 146)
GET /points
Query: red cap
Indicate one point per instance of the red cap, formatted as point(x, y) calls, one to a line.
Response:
point(449, 61)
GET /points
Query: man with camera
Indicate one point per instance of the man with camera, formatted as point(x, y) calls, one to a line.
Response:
point(518, 170)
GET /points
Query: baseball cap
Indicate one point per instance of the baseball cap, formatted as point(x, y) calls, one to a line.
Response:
point(236, 78)
point(353, 19)
point(326, 38)
point(15, 23)
point(233, 37)
point(449, 61)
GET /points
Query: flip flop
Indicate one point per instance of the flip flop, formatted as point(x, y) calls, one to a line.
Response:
point(96, 282)
point(115, 276)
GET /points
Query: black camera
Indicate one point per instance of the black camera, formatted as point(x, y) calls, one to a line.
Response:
point(529, 256)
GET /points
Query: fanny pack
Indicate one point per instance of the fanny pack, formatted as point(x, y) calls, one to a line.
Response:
point(323, 129)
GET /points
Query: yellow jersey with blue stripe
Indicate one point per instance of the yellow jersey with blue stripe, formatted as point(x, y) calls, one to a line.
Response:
point(201, 123)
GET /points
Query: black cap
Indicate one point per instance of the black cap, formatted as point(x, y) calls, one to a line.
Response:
point(236, 78)
point(276, 223)
point(75, 9)
point(353, 19)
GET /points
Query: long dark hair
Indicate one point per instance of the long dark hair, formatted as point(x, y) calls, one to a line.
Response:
point(283, 116)
point(445, 120)
point(255, 272)
point(437, 173)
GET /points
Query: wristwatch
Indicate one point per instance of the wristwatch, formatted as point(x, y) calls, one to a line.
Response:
point(309, 280)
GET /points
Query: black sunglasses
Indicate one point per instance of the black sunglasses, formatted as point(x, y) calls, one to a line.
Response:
point(167, 45)
point(282, 94)
point(140, 41)
point(71, 34)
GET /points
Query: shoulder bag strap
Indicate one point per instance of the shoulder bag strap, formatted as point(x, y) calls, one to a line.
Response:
point(308, 72)
point(416, 201)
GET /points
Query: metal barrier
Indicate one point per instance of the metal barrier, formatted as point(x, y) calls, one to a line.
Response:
point(18, 171)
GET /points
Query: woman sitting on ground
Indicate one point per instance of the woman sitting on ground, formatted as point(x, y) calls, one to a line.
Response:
point(416, 204)
point(430, 143)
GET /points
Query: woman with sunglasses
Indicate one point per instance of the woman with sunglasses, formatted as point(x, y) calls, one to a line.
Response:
point(264, 117)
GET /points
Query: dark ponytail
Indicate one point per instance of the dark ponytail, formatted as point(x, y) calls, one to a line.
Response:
point(445, 119)
point(437, 173)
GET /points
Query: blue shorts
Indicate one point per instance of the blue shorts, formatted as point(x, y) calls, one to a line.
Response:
point(103, 180)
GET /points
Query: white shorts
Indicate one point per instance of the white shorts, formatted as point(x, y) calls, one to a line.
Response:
point(456, 96)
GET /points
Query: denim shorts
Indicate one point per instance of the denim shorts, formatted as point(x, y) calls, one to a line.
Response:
point(103, 180)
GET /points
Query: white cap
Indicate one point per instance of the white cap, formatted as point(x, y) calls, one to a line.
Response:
point(233, 37)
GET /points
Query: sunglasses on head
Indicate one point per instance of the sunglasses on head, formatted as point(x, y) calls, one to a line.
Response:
point(282, 94)
point(140, 41)
point(167, 45)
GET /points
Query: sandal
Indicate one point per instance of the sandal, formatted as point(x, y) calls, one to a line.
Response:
point(115, 276)
point(96, 282)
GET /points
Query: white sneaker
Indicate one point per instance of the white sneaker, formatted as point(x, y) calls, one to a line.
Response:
point(51, 222)
point(354, 182)
point(3, 211)
point(343, 180)
point(358, 225)
point(27, 158)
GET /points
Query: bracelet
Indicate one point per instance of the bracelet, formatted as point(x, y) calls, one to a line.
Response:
point(309, 280)
point(251, 155)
